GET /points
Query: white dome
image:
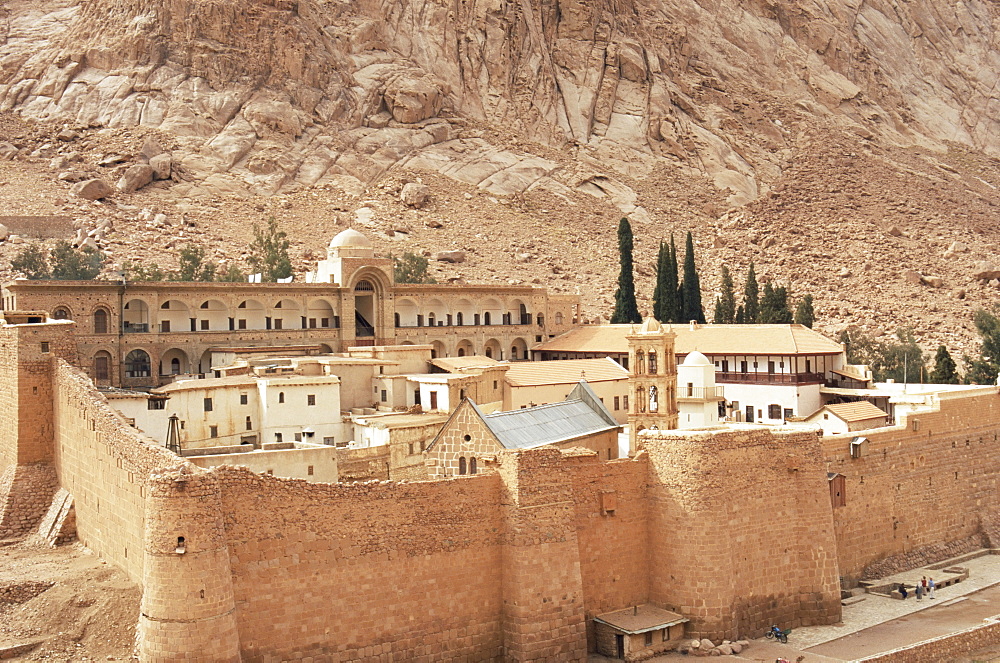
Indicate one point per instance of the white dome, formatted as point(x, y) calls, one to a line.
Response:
point(695, 358)
point(350, 238)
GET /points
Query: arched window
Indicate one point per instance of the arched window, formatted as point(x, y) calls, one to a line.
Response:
point(640, 399)
point(559, 317)
point(364, 286)
point(513, 352)
point(137, 364)
point(100, 321)
point(489, 350)
point(175, 366)
point(431, 322)
point(640, 362)
point(652, 362)
point(486, 318)
point(461, 352)
point(102, 367)
point(472, 466)
point(654, 404)
point(61, 313)
point(281, 397)
point(458, 319)
point(461, 465)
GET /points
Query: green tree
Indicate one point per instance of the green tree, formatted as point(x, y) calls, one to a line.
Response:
point(136, 271)
point(691, 286)
point(69, 264)
point(945, 371)
point(741, 316)
point(899, 360)
point(232, 274)
point(725, 306)
point(774, 305)
point(193, 266)
point(804, 313)
point(751, 298)
point(985, 368)
point(31, 262)
point(411, 268)
point(625, 306)
point(269, 252)
point(659, 299)
point(674, 306)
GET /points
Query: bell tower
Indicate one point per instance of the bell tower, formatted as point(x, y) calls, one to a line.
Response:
point(652, 380)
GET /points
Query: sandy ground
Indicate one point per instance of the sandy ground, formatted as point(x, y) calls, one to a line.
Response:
point(88, 614)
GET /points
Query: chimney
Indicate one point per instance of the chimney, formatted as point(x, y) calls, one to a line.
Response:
point(694, 325)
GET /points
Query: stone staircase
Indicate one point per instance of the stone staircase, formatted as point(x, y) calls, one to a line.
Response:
point(58, 525)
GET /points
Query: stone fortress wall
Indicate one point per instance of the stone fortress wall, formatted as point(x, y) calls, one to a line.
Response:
point(734, 529)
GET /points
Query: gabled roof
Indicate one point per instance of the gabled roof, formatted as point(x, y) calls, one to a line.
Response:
point(564, 371)
point(856, 411)
point(707, 339)
point(580, 415)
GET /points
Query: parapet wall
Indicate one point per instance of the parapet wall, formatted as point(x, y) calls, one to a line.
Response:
point(926, 482)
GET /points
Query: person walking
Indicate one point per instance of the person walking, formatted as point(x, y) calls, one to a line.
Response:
point(930, 588)
point(919, 591)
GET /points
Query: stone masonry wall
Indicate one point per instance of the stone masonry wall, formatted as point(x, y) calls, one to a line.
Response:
point(917, 490)
point(741, 530)
point(105, 464)
point(613, 545)
point(377, 570)
point(25, 493)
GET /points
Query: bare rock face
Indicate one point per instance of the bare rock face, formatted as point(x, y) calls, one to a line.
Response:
point(135, 177)
point(412, 99)
point(93, 189)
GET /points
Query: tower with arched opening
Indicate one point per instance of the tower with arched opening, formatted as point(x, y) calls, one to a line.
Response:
point(652, 380)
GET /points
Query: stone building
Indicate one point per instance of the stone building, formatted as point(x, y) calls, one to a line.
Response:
point(143, 334)
point(652, 380)
point(698, 397)
point(470, 437)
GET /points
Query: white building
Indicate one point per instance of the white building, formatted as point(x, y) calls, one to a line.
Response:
point(698, 397)
point(768, 373)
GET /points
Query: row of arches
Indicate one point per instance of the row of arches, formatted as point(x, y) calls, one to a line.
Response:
point(175, 315)
point(492, 348)
point(435, 313)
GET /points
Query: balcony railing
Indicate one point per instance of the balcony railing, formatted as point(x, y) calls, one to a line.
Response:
point(770, 378)
point(699, 393)
point(136, 327)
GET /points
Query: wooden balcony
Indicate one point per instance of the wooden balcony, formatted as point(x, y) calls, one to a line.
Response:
point(770, 378)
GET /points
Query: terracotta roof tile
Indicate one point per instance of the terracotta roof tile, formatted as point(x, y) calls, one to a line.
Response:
point(856, 411)
point(564, 371)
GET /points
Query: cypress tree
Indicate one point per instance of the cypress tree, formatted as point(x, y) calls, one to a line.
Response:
point(691, 287)
point(751, 298)
point(673, 309)
point(726, 304)
point(625, 307)
point(945, 371)
point(804, 313)
point(774, 305)
point(741, 318)
point(659, 299)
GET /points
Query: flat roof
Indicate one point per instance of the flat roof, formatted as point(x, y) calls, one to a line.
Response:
point(640, 619)
point(708, 339)
point(469, 361)
point(564, 371)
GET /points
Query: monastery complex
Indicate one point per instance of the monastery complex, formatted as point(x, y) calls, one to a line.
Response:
point(352, 469)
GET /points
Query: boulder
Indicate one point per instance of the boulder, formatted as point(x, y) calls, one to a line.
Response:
point(912, 277)
point(72, 176)
point(450, 256)
point(151, 148)
point(934, 281)
point(93, 189)
point(7, 151)
point(706, 644)
point(4, 232)
point(725, 650)
point(895, 231)
point(414, 195)
point(161, 165)
point(135, 177)
point(411, 99)
point(985, 271)
point(90, 243)
point(735, 647)
point(958, 247)
point(67, 135)
point(844, 273)
point(433, 223)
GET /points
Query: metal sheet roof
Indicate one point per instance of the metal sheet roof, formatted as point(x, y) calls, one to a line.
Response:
point(546, 424)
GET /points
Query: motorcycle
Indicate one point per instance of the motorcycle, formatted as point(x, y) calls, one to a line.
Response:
point(775, 633)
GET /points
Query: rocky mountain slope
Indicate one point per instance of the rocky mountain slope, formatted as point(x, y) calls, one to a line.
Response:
point(848, 147)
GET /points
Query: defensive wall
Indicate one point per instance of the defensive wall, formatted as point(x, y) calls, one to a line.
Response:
point(732, 528)
point(923, 490)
